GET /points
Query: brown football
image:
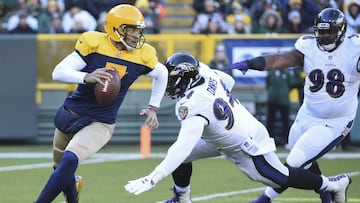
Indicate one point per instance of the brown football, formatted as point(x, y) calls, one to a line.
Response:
point(106, 94)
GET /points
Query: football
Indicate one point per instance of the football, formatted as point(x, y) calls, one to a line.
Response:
point(106, 94)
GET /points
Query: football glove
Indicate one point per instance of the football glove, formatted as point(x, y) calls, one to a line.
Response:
point(140, 185)
point(242, 66)
point(151, 120)
point(143, 184)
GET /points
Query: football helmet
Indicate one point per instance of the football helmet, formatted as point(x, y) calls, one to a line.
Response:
point(329, 29)
point(183, 71)
point(125, 24)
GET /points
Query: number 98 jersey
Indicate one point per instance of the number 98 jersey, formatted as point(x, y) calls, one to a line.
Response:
point(332, 78)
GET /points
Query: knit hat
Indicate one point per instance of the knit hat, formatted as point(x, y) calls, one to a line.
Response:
point(295, 1)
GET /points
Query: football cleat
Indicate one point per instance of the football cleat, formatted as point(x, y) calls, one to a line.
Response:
point(326, 197)
point(262, 199)
point(179, 197)
point(338, 186)
point(74, 198)
point(79, 182)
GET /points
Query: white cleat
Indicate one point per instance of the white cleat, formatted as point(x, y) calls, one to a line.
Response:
point(338, 186)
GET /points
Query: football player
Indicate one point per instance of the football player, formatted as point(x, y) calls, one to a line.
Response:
point(82, 125)
point(331, 63)
point(214, 123)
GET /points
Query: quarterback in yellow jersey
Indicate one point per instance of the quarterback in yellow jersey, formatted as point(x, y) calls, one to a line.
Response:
point(82, 125)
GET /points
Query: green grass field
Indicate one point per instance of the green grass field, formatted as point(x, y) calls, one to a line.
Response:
point(22, 176)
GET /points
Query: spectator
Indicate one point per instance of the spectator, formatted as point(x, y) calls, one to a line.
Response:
point(344, 4)
point(353, 18)
point(321, 4)
point(78, 20)
point(158, 8)
point(307, 9)
point(225, 6)
point(239, 26)
point(95, 7)
point(294, 24)
point(61, 3)
point(220, 59)
point(258, 9)
point(222, 6)
point(46, 17)
point(278, 89)
point(152, 25)
point(215, 27)
point(68, 4)
point(239, 21)
point(34, 8)
point(270, 22)
point(55, 26)
point(210, 21)
point(22, 23)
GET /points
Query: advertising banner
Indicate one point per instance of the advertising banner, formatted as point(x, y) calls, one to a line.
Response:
point(242, 49)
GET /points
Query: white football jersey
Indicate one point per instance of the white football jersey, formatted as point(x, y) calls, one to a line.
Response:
point(229, 123)
point(332, 78)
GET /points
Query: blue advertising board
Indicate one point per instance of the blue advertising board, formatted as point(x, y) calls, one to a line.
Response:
point(242, 49)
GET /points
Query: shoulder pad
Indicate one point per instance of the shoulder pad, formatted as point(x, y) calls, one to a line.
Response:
point(148, 55)
point(355, 38)
point(304, 42)
point(87, 42)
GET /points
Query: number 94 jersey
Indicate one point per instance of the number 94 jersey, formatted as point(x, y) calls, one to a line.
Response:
point(228, 123)
point(332, 78)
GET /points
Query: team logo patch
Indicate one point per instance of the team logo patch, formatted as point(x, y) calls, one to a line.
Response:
point(183, 112)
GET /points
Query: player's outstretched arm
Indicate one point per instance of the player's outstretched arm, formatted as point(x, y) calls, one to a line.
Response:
point(190, 133)
point(272, 61)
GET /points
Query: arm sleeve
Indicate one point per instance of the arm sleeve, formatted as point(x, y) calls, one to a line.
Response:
point(190, 132)
point(160, 76)
point(68, 70)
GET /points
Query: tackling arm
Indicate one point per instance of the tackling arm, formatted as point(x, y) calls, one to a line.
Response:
point(190, 132)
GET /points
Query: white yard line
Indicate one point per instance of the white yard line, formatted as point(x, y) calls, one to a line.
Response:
point(97, 158)
point(106, 157)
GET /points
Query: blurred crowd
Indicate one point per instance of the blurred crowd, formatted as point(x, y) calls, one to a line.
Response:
point(212, 16)
point(267, 16)
point(68, 16)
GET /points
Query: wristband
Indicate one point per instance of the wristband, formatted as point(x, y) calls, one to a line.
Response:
point(153, 108)
point(257, 63)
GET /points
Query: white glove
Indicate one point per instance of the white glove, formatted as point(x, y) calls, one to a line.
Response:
point(143, 184)
point(140, 185)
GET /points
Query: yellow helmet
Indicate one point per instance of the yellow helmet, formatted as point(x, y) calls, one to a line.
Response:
point(121, 17)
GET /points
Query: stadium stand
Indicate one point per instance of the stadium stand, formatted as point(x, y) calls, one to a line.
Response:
point(179, 16)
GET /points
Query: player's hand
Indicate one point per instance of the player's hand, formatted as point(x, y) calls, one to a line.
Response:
point(140, 185)
point(151, 120)
point(242, 66)
point(98, 76)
